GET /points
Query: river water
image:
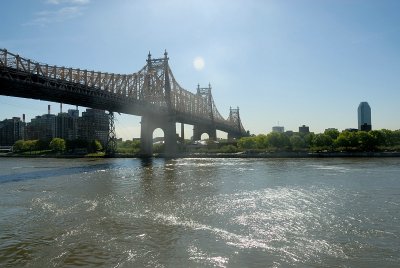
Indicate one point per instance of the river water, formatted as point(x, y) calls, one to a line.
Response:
point(200, 212)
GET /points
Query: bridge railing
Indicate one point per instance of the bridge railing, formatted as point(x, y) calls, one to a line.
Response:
point(196, 104)
point(125, 84)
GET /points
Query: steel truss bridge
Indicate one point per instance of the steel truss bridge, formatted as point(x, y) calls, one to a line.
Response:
point(152, 93)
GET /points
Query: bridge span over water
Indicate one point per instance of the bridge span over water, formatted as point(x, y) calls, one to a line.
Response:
point(152, 93)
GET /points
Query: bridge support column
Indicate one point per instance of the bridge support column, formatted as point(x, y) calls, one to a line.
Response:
point(148, 125)
point(232, 136)
point(182, 133)
point(198, 130)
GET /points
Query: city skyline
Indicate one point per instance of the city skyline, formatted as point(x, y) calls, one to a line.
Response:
point(363, 114)
point(303, 62)
point(88, 125)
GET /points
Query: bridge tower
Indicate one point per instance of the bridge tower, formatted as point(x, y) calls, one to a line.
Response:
point(158, 69)
point(210, 129)
point(234, 117)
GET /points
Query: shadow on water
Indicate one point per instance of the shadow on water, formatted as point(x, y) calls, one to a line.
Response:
point(50, 172)
point(146, 162)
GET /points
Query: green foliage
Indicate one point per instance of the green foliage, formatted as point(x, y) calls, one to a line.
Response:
point(95, 146)
point(30, 145)
point(211, 145)
point(391, 138)
point(333, 133)
point(297, 142)
point(378, 136)
point(321, 141)
point(347, 140)
point(277, 140)
point(57, 145)
point(247, 143)
point(261, 141)
point(229, 149)
point(128, 146)
point(330, 140)
point(308, 138)
point(18, 146)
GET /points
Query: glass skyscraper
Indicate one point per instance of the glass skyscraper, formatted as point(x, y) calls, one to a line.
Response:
point(364, 116)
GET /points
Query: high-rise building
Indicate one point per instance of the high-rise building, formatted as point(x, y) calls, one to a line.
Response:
point(364, 116)
point(304, 129)
point(67, 125)
point(41, 127)
point(94, 125)
point(278, 129)
point(11, 130)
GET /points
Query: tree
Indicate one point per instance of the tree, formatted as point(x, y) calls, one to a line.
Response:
point(261, 141)
point(297, 142)
point(95, 146)
point(308, 137)
point(18, 146)
point(30, 145)
point(347, 140)
point(379, 137)
point(366, 142)
point(277, 140)
point(322, 141)
point(247, 143)
point(57, 145)
point(333, 133)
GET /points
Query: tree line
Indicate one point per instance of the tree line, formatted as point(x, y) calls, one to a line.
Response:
point(331, 140)
point(57, 145)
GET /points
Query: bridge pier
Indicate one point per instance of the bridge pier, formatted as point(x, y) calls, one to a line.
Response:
point(198, 130)
point(232, 136)
point(148, 125)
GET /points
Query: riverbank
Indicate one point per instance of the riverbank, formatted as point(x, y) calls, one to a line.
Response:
point(222, 155)
point(290, 154)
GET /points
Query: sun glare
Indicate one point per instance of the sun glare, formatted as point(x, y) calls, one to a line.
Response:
point(198, 63)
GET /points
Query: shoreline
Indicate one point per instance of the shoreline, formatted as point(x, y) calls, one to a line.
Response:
point(228, 155)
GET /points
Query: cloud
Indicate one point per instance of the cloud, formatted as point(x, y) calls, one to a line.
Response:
point(46, 17)
point(68, 2)
point(66, 10)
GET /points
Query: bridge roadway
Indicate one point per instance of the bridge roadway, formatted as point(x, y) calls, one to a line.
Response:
point(152, 93)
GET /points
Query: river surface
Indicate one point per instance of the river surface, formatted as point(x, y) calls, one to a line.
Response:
point(200, 212)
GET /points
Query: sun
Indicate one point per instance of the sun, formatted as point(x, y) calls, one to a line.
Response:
point(198, 63)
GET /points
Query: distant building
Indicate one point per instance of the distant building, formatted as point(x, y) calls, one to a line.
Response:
point(332, 128)
point(304, 129)
point(11, 130)
point(364, 117)
point(278, 129)
point(351, 129)
point(94, 125)
point(67, 125)
point(289, 133)
point(41, 127)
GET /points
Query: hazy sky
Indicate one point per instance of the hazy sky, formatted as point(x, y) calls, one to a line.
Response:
point(294, 62)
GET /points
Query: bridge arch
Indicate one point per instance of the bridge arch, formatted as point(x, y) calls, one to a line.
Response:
point(148, 125)
point(199, 130)
point(158, 140)
point(205, 136)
